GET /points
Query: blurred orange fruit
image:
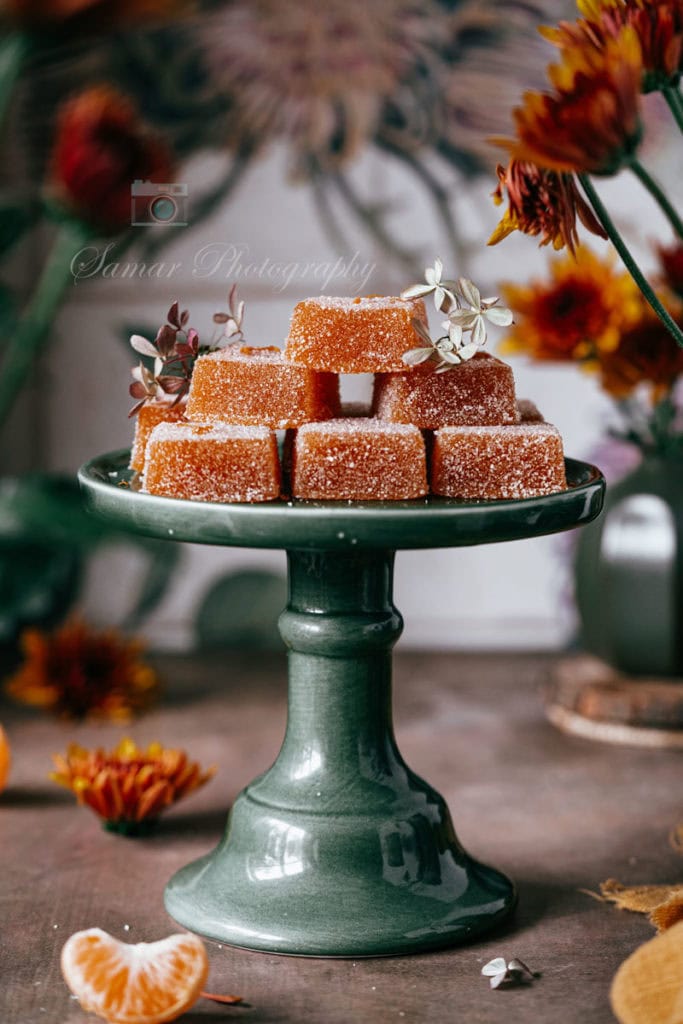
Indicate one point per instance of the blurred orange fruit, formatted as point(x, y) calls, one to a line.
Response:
point(143, 983)
point(5, 758)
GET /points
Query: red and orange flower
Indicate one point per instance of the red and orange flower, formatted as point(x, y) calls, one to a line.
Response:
point(582, 311)
point(658, 25)
point(646, 354)
point(77, 672)
point(542, 203)
point(101, 148)
point(590, 122)
point(128, 787)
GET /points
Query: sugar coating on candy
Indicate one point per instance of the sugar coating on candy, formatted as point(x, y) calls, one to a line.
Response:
point(347, 335)
point(147, 419)
point(358, 459)
point(522, 461)
point(528, 411)
point(212, 462)
point(257, 386)
point(478, 391)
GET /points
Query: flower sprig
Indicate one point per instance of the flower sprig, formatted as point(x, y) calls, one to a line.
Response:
point(175, 350)
point(233, 319)
point(466, 325)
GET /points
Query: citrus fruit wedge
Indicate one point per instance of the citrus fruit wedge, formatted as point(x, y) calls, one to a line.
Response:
point(648, 987)
point(141, 983)
point(5, 758)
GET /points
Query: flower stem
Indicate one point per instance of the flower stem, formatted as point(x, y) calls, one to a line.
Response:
point(628, 260)
point(659, 196)
point(12, 51)
point(675, 102)
point(27, 340)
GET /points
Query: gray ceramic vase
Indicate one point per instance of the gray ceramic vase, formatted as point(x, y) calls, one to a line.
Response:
point(629, 572)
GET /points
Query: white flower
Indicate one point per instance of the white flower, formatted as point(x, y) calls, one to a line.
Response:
point(445, 298)
point(512, 972)
point(465, 327)
point(480, 310)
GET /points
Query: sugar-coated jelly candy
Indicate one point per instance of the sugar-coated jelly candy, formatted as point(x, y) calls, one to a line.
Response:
point(147, 419)
point(212, 462)
point(522, 461)
point(528, 411)
point(478, 391)
point(358, 459)
point(346, 335)
point(257, 386)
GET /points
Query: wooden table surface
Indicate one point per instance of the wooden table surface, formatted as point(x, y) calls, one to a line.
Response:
point(558, 814)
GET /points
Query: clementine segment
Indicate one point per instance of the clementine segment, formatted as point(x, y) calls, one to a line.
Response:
point(5, 758)
point(143, 983)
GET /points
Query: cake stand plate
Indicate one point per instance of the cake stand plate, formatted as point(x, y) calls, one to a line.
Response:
point(339, 849)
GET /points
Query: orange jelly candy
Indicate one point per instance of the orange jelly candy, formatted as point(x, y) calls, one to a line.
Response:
point(212, 462)
point(522, 461)
point(478, 391)
point(258, 386)
point(358, 460)
point(528, 412)
point(147, 419)
point(363, 335)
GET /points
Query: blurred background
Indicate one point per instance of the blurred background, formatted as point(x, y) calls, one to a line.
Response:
point(310, 148)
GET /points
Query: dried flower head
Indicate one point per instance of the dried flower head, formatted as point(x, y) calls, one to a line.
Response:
point(542, 203)
point(466, 327)
point(314, 74)
point(78, 672)
point(128, 787)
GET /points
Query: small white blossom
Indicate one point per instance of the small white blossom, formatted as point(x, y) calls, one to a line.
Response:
point(443, 291)
point(466, 326)
point(473, 316)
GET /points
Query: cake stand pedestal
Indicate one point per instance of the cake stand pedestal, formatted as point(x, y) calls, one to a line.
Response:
point(339, 849)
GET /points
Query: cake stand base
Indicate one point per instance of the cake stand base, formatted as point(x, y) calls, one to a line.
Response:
point(339, 849)
point(352, 885)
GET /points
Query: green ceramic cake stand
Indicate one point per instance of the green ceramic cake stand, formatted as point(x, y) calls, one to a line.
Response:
point(339, 849)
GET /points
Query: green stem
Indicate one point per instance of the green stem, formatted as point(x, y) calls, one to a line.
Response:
point(628, 260)
point(27, 340)
point(659, 196)
point(675, 102)
point(13, 48)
